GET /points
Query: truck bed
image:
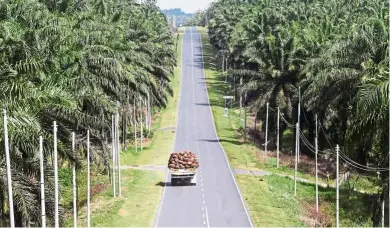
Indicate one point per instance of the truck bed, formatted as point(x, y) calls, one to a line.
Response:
point(183, 171)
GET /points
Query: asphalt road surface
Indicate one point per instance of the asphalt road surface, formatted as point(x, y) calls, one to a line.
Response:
point(215, 201)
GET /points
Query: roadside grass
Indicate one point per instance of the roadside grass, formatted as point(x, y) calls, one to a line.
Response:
point(136, 207)
point(141, 192)
point(98, 182)
point(269, 201)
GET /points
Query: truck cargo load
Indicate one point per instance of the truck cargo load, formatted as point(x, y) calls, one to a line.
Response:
point(183, 166)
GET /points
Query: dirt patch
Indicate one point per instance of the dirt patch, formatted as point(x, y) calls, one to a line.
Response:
point(310, 217)
point(326, 162)
point(97, 188)
point(100, 202)
point(306, 164)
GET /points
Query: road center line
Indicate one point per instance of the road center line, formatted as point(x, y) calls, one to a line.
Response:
point(207, 218)
point(196, 132)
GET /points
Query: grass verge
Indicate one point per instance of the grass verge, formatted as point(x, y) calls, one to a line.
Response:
point(272, 203)
point(136, 207)
point(269, 198)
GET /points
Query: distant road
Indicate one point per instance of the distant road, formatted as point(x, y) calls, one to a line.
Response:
point(215, 201)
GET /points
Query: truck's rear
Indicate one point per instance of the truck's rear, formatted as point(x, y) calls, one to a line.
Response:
point(187, 176)
point(183, 166)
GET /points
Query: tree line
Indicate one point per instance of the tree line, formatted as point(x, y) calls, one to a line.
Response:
point(71, 61)
point(335, 52)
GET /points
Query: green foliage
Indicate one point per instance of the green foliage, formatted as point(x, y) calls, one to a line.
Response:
point(271, 202)
point(337, 52)
point(70, 62)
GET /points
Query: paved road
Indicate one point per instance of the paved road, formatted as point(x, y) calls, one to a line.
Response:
point(215, 201)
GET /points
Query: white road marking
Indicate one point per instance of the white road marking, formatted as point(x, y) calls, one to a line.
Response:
point(196, 133)
point(207, 218)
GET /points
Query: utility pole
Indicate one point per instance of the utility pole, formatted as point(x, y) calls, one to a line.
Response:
point(296, 159)
point(142, 130)
point(226, 68)
point(316, 145)
point(113, 145)
point(118, 152)
point(383, 211)
point(43, 209)
point(88, 184)
point(147, 115)
point(150, 115)
point(277, 140)
point(135, 129)
point(241, 81)
point(223, 64)
point(299, 122)
point(266, 132)
point(8, 162)
point(56, 219)
point(124, 131)
point(245, 120)
point(337, 185)
point(74, 182)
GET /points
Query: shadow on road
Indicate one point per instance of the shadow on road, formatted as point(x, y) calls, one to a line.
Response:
point(221, 140)
point(168, 184)
point(164, 184)
point(202, 104)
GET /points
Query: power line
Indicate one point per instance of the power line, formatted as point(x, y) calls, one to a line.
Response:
point(344, 157)
point(363, 167)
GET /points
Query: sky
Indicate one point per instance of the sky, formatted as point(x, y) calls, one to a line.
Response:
point(188, 6)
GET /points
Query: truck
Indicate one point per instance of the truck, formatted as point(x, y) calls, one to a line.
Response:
point(183, 166)
point(187, 176)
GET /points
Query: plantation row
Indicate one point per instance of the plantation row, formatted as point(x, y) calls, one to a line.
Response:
point(336, 52)
point(71, 62)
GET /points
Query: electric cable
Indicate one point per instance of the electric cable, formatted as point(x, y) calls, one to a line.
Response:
point(379, 169)
point(346, 159)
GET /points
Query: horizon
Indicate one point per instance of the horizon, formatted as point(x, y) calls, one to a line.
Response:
point(190, 6)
